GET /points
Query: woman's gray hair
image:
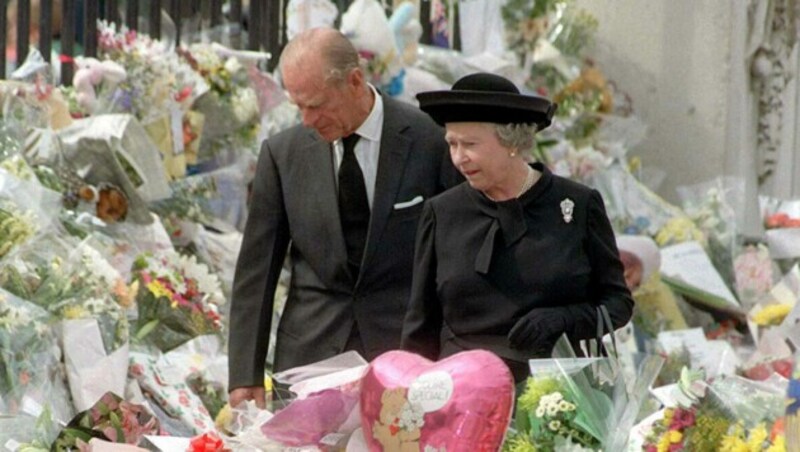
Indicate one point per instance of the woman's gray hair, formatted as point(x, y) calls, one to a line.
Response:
point(516, 136)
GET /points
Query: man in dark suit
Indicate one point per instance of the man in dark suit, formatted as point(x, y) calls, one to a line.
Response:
point(346, 212)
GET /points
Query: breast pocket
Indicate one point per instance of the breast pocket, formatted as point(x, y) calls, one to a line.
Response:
point(407, 213)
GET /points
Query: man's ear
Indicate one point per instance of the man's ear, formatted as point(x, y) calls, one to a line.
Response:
point(356, 79)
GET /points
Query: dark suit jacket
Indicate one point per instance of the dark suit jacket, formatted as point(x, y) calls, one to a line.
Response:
point(294, 202)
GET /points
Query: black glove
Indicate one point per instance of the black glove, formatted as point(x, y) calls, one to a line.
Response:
point(539, 329)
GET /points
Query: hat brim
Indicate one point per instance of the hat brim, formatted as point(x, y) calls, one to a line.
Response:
point(481, 106)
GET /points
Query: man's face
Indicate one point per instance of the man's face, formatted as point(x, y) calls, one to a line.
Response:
point(327, 107)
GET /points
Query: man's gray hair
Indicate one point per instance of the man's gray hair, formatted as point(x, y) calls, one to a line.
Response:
point(337, 52)
point(516, 136)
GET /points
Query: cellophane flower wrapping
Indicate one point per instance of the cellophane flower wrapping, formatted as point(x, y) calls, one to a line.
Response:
point(164, 381)
point(179, 299)
point(781, 220)
point(26, 210)
point(110, 418)
point(710, 206)
point(590, 402)
point(30, 373)
point(727, 414)
point(324, 401)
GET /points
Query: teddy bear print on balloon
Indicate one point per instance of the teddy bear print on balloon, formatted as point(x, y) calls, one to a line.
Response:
point(398, 428)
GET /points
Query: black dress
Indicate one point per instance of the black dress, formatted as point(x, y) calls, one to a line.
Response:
point(481, 265)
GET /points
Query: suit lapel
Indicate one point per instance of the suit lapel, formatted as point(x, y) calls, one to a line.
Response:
point(394, 150)
point(320, 193)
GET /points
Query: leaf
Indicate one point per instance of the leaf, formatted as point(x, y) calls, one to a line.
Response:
point(146, 329)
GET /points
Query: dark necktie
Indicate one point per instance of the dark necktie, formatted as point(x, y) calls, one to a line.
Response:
point(353, 204)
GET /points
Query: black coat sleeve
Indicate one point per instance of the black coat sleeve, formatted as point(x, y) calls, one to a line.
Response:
point(423, 322)
point(607, 281)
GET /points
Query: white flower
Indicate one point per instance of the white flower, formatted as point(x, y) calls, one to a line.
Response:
point(99, 266)
point(245, 104)
point(554, 425)
point(207, 282)
point(552, 410)
point(540, 411)
point(232, 65)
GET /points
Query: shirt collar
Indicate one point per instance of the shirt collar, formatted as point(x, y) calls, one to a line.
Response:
point(371, 127)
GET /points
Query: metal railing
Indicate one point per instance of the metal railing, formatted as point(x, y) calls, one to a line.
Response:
point(263, 20)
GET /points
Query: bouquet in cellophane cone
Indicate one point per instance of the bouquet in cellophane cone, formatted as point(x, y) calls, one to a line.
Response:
point(729, 413)
point(574, 404)
point(179, 299)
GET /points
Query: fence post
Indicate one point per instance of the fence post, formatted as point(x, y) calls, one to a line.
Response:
point(155, 19)
point(45, 29)
point(111, 12)
point(67, 41)
point(254, 25)
point(235, 18)
point(23, 30)
point(132, 14)
point(90, 14)
point(175, 14)
point(3, 41)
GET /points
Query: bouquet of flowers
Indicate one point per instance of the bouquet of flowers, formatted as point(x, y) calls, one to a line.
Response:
point(548, 415)
point(575, 403)
point(111, 419)
point(25, 211)
point(179, 299)
point(28, 352)
point(231, 107)
point(781, 219)
point(724, 414)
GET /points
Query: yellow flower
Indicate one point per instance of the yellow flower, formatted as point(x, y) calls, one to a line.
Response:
point(779, 445)
point(75, 312)
point(158, 290)
point(679, 230)
point(772, 314)
point(758, 435)
point(733, 444)
point(663, 443)
point(668, 413)
point(675, 436)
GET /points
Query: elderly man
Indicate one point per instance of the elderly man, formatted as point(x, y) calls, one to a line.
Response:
point(343, 193)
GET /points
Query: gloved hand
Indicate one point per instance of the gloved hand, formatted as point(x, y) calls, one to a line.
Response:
point(540, 329)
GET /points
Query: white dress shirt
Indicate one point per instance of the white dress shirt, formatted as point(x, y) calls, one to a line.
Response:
point(367, 148)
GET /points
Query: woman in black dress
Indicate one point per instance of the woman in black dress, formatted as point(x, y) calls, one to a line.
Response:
point(515, 256)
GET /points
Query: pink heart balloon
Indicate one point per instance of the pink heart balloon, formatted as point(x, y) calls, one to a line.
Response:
point(461, 403)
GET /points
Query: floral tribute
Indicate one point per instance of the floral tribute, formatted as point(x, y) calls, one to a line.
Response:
point(549, 414)
point(27, 349)
point(110, 419)
point(178, 300)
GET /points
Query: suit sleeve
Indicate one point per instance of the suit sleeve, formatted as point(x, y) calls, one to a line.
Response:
point(423, 322)
point(608, 281)
point(266, 239)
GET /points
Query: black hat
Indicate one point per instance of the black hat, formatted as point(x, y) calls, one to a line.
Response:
point(484, 97)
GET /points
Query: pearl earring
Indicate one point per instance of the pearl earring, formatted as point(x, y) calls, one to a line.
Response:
point(512, 154)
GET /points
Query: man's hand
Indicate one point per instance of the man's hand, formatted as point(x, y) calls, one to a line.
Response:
point(239, 395)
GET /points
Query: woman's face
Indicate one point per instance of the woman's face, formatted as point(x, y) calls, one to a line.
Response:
point(479, 156)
